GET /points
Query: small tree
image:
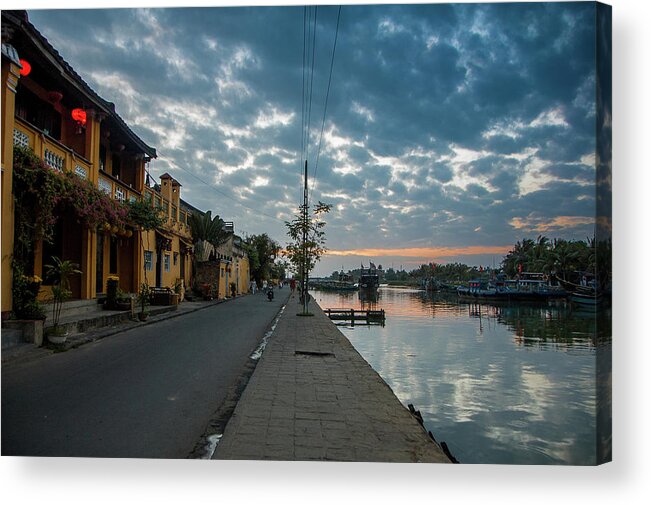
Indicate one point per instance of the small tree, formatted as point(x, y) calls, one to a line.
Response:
point(307, 243)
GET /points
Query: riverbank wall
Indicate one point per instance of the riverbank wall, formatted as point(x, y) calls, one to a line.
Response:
point(314, 397)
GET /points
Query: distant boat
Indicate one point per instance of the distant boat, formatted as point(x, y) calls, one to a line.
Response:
point(369, 278)
point(586, 298)
point(526, 287)
point(482, 289)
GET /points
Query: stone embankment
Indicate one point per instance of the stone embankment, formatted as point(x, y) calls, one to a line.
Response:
point(313, 397)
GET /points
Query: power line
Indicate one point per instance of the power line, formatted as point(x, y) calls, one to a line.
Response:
point(309, 109)
point(325, 107)
point(212, 186)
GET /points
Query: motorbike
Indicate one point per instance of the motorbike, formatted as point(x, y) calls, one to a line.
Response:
point(270, 294)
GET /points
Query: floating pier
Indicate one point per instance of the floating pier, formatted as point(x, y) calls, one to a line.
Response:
point(352, 315)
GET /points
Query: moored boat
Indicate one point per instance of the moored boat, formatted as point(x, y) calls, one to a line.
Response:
point(369, 278)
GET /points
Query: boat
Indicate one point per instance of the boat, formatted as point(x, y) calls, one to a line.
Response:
point(586, 294)
point(369, 278)
point(586, 298)
point(483, 289)
point(535, 286)
point(525, 287)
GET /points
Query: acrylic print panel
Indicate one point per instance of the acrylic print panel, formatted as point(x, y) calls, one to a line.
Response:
point(464, 152)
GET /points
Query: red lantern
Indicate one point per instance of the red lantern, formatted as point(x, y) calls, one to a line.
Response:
point(27, 68)
point(79, 115)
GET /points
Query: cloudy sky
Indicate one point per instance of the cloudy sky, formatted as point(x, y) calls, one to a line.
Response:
point(451, 131)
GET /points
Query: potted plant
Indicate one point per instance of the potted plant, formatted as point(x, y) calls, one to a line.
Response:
point(28, 315)
point(60, 271)
point(122, 301)
point(144, 298)
point(179, 289)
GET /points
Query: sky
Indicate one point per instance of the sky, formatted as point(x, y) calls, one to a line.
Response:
point(451, 131)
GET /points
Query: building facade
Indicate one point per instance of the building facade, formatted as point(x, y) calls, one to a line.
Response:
point(48, 108)
point(167, 251)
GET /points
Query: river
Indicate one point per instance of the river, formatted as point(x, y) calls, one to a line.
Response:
point(503, 384)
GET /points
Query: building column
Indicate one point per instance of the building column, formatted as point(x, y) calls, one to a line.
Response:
point(88, 264)
point(10, 76)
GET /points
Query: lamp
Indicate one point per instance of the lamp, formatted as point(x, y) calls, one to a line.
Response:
point(26, 68)
point(79, 115)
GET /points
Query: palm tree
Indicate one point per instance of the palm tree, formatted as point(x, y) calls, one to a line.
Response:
point(207, 233)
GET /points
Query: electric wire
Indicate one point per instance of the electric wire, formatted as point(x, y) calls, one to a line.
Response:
point(213, 187)
point(325, 107)
point(311, 87)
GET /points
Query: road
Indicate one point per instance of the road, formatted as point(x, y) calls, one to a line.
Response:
point(144, 393)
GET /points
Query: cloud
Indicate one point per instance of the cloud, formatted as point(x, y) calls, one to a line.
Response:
point(458, 124)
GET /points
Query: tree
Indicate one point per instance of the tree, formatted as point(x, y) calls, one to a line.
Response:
point(262, 252)
point(307, 241)
point(207, 233)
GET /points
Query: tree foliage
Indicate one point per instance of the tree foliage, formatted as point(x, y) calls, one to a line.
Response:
point(300, 254)
point(262, 252)
point(207, 233)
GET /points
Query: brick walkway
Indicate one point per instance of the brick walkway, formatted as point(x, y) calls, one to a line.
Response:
point(313, 397)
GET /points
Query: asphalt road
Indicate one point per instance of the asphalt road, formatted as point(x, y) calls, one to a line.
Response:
point(143, 393)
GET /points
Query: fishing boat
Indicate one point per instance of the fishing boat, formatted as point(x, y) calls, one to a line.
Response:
point(534, 286)
point(483, 289)
point(525, 287)
point(586, 298)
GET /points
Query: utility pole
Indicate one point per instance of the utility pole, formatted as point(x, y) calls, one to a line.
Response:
point(305, 259)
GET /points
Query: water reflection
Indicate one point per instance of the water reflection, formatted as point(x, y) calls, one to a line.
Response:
point(509, 383)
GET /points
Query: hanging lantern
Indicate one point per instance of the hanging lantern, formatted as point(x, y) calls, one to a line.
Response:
point(27, 68)
point(79, 115)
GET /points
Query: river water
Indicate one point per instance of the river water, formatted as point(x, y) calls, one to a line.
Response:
point(507, 384)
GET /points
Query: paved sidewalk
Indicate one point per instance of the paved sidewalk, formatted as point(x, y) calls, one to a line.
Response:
point(313, 397)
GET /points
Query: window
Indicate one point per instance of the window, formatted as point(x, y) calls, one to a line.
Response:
point(176, 258)
point(158, 202)
point(38, 112)
point(166, 262)
point(174, 213)
point(148, 261)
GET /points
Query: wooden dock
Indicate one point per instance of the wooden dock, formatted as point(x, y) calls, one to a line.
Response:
point(352, 315)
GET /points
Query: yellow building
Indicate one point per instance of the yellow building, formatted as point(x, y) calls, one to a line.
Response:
point(166, 259)
point(234, 266)
point(47, 107)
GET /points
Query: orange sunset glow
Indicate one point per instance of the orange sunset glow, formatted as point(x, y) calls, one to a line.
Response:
point(425, 253)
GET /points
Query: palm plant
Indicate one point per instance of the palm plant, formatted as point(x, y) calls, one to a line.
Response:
point(60, 270)
point(207, 233)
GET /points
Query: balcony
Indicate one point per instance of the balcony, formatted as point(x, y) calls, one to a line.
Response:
point(116, 188)
point(58, 156)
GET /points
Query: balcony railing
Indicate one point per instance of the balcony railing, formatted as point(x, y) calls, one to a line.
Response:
point(58, 156)
point(116, 188)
